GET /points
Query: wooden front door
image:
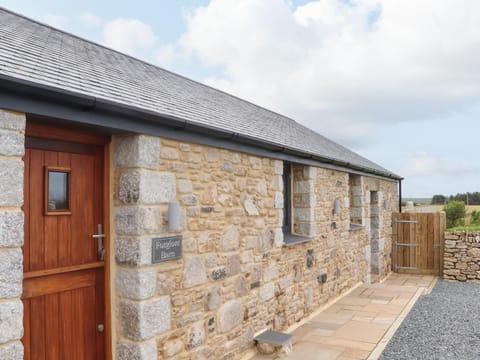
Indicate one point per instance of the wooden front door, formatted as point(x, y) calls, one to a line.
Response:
point(63, 286)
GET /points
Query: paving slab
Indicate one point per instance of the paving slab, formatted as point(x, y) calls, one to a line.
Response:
point(359, 324)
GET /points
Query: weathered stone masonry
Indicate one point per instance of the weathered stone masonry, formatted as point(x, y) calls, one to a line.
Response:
point(12, 130)
point(235, 278)
point(461, 259)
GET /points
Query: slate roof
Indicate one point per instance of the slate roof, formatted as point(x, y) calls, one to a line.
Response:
point(40, 54)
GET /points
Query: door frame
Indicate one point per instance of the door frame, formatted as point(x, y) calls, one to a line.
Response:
point(47, 128)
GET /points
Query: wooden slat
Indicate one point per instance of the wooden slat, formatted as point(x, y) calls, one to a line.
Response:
point(413, 251)
point(423, 254)
point(50, 222)
point(429, 252)
point(37, 328)
point(405, 240)
point(430, 242)
point(419, 239)
point(66, 314)
point(436, 243)
point(37, 247)
point(394, 241)
point(64, 223)
point(51, 313)
point(89, 328)
point(410, 239)
point(61, 270)
point(35, 287)
point(78, 323)
point(27, 329)
point(98, 198)
point(57, 145)
point(399, 238)
point(39, 130)
point(402, 261)
point(102, 340)
point(83, 227)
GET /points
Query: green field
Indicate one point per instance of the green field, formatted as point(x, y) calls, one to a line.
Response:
point(465, 228)
point(469, 208)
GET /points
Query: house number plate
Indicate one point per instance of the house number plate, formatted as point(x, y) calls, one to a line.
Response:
point(166, 249)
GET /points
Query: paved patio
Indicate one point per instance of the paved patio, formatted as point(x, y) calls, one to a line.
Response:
point(359, 324)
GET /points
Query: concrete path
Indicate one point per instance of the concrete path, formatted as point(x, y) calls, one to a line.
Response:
point(359, 324)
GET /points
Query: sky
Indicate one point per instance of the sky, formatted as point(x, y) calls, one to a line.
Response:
point(396, 81)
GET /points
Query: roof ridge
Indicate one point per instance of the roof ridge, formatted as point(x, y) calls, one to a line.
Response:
point(148, 63)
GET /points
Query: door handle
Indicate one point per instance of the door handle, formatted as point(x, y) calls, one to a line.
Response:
point(100, 236)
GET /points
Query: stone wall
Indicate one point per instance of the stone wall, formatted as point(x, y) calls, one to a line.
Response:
point(461, 259)
point(12, 134)
point(235, 277)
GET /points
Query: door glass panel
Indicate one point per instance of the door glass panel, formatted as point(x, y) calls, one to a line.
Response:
point(57, 191)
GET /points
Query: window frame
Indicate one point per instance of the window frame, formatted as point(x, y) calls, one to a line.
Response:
point(287, 224)
point(289, 236)
point(355, 223)
point(48, 170)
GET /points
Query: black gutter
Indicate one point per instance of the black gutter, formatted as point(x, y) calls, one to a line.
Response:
point(90, 104)
point(400, 195)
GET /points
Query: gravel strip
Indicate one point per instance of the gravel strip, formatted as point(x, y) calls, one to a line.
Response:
point(444, 324)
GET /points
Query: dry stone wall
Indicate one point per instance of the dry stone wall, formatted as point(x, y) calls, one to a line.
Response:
point(12, 135)
point(235, 277)
point(461, 259)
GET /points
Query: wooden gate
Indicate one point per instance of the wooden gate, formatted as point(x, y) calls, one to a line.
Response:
point(418, 240)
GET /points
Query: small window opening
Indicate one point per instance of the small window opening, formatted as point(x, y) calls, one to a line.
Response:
point(57, 191)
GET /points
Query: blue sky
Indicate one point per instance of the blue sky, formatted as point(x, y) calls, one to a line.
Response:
point(396, 81)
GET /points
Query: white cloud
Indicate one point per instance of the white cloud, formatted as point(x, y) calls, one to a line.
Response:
point(128, 35)
point(423, 163)
point(90, 20)
point(56, 21)
point(357, 65)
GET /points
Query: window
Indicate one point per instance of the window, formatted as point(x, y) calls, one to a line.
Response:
point(357, 210)
point(298, 203)
point(57, 191)
point(287, 198)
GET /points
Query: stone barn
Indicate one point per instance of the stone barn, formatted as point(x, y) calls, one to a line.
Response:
point(144, 215)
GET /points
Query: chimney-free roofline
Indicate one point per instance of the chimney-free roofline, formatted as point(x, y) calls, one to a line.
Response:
point(40, 99)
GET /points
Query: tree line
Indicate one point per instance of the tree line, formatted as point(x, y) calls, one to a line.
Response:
point(468, 198)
